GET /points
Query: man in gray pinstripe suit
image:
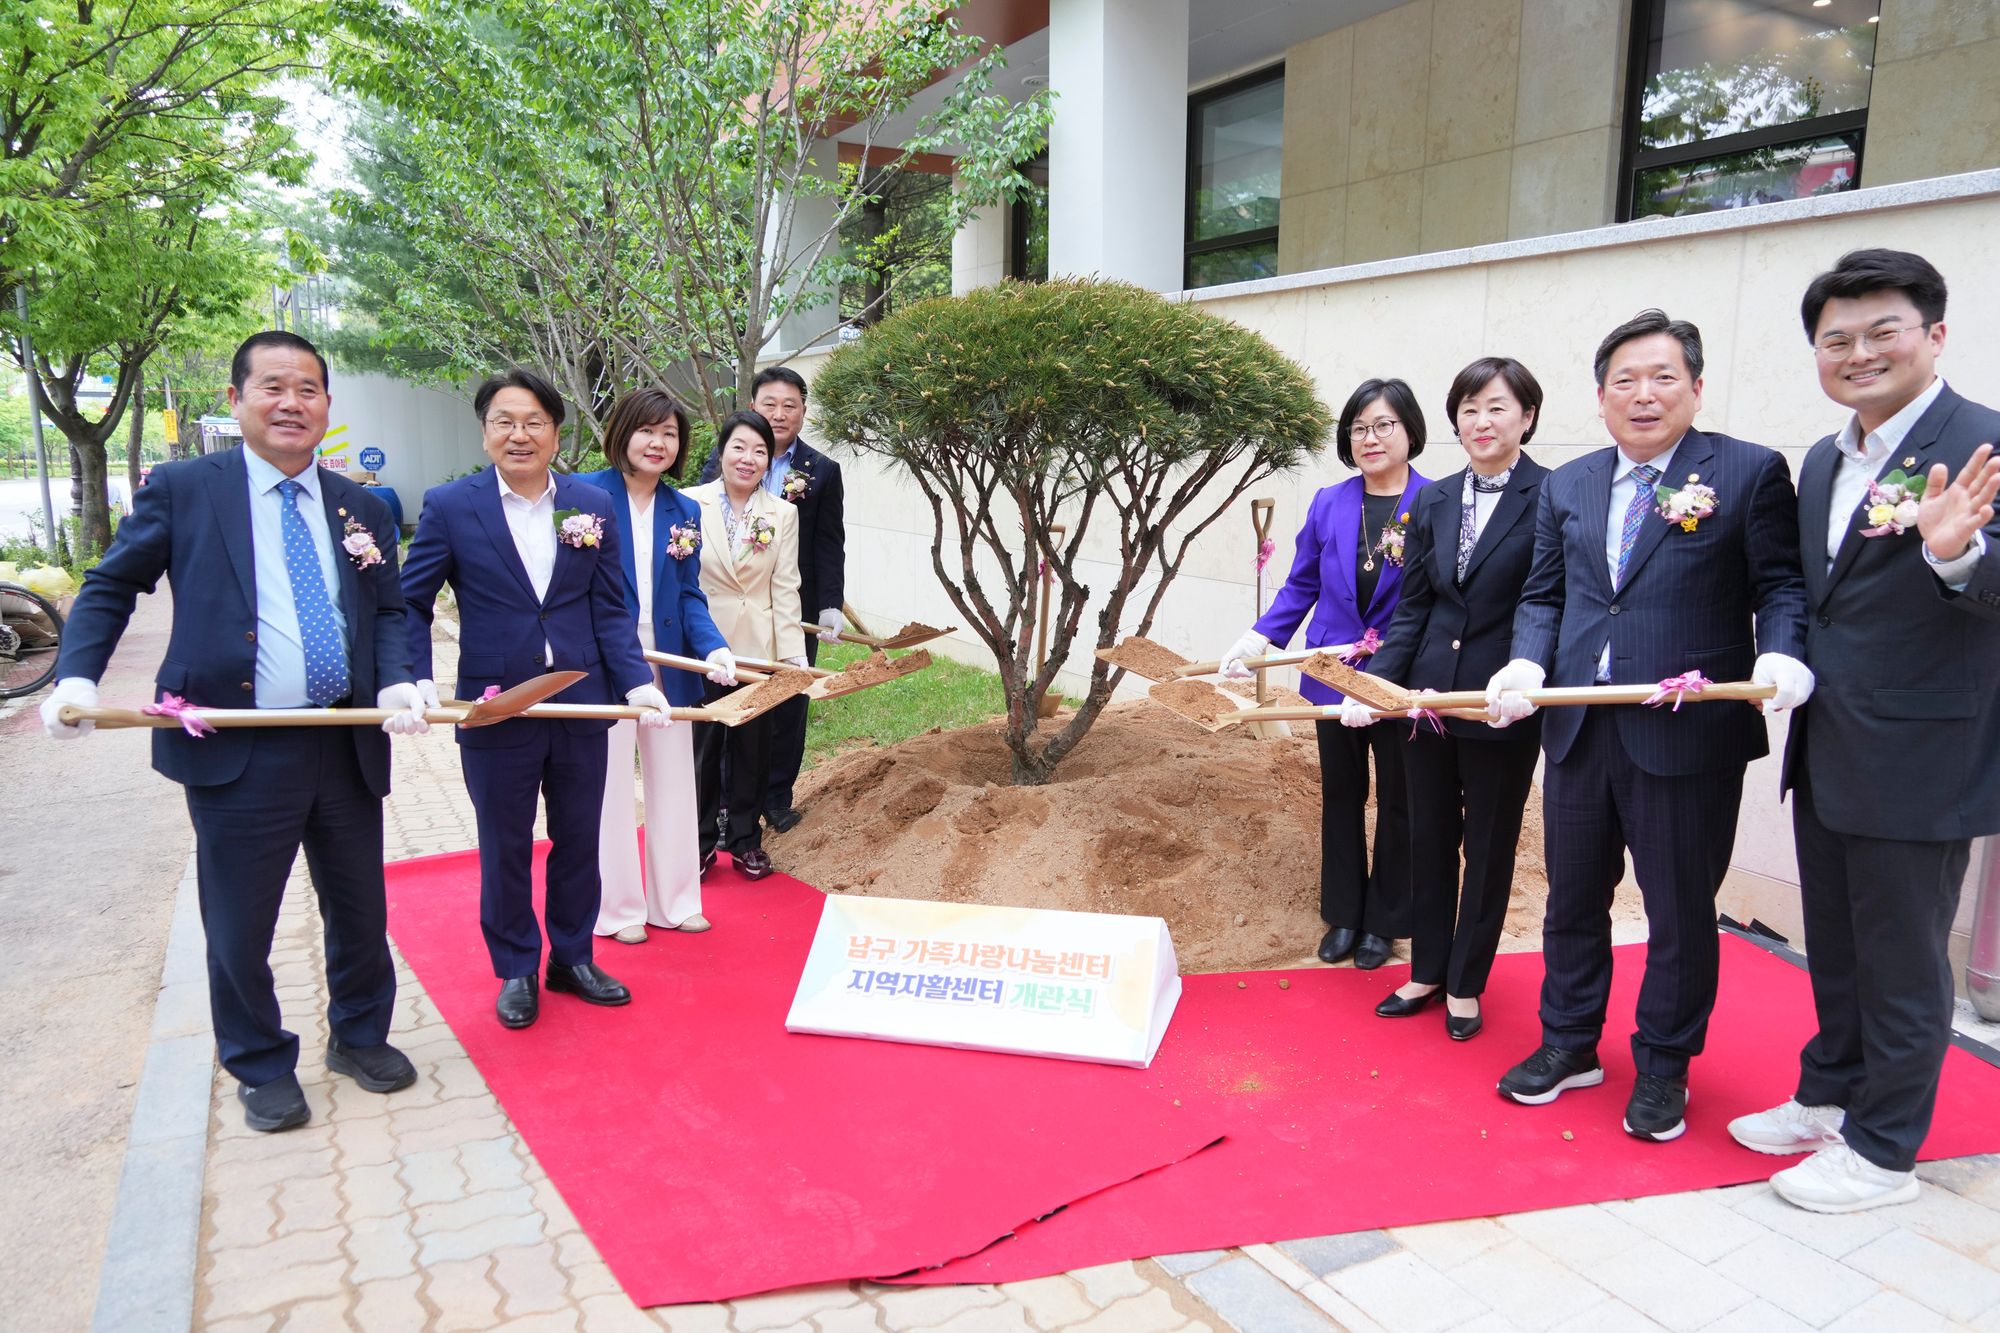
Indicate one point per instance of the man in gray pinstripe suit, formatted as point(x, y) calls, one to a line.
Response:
point(1620, 593)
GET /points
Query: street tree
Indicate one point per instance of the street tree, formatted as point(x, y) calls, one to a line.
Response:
point(1086, 405)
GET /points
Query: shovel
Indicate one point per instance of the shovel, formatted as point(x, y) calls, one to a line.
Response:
point(1395, 701)
point(909, 636)
point(875, 669)
point(1143, 657)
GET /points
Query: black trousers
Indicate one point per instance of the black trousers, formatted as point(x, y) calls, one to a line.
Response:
point(732, 770)
point(787, 724)
point(1469, 792)
point(302, 788)
point(1884, 1011)
point(565, 770)
point(1351, 894)
point(1598, 804)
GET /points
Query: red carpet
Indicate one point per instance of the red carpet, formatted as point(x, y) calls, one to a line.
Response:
point(710, 1154)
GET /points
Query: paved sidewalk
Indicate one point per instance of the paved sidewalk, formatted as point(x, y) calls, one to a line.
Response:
point(426, 1210)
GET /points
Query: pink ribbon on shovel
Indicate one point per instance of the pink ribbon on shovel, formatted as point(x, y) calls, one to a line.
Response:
point(1367, 646)
point(1419, 716)
point(1678, 688)
point(1265, 550)
point(173, 706)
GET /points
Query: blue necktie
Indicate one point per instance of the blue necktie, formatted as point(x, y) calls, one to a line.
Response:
point(320, 630)
point(1643, 477)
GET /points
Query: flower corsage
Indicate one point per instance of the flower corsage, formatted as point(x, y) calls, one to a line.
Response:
point(1687, 506)
point(578, 529)
point(1390, 544)
point(683, 540)
point(796, 482)
point(1892, 504)
point(758, 536)
point(359, 543)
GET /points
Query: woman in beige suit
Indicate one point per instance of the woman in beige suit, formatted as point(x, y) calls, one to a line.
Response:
point(750, 573)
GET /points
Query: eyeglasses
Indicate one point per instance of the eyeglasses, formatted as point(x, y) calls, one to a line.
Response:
point(1838, 346)
point(1381, 429)
point(504, 426)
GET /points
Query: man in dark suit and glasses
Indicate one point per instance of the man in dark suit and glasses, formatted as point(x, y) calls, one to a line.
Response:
point(286, 596)
point(1620, 593)
point(1892, 766)
point(811, 481)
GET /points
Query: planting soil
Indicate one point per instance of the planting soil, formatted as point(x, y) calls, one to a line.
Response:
point(1151, 815)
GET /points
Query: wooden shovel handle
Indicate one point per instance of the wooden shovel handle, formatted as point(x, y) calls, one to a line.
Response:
point(701, 666)
point(1571, 695)
point(1292, 657)
point(845, 636)
point(114, 718)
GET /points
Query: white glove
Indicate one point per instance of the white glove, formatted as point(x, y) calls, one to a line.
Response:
point(831, 624)
point(427, 690)
point(649, 696)
point(1793, 678)
point(1354, 713)
point(724, 663)
point(69, 690)
point(799, 662)
point(410, 721)
point(1504, 704)
point(1251, 644)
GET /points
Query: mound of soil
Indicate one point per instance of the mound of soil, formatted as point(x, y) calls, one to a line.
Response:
point(1150, 815)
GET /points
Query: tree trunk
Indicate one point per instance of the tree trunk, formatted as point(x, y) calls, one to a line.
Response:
point(135, 444)
point(95, 509)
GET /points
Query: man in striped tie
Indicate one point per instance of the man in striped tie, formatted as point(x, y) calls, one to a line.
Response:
point(286, 596)
point(1626, 590)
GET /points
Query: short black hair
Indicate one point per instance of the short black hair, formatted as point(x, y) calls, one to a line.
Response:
point(1527, 390)
point(1859, 272)
point(239, 365)
point(779, 375)
point(637, 408)
point(755, 421)
point(1400, 400)
point(518, 377)
point(1644, 325)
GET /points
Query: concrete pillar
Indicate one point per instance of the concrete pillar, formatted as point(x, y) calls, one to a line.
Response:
point(979, 250)
point(1118, 148)
point(811, 216)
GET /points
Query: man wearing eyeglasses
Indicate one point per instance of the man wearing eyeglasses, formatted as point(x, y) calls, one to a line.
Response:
point(533, 560)
point(1890, 765)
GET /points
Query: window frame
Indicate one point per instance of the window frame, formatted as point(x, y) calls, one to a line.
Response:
point(1649, 24)
point(1236, 240)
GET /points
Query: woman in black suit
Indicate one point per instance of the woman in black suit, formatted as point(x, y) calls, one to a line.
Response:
point(1469, 545)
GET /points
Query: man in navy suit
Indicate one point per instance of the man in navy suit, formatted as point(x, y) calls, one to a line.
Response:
point(285, 597)
point(1621, 593)
point(811, 481)
point(533, 559)
point(1891, 765)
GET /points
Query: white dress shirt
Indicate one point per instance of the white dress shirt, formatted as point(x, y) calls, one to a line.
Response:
point(642, 554)
point(1623, 486)
point(533, 525)
point(281, 653)
point(1861, 461)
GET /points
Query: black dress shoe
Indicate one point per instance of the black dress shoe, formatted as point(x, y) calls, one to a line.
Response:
point(785, 820)
point(1398, 1007)
point(520, 1001)
point(1371, 951)
point(1658, 1108)
point(589, 983)
point(708, 860)
point(377, 1068)
point(754, 864)
point(1339, 943)
point(276, 1106)
point(1463, 1029)
point(1549, 1073)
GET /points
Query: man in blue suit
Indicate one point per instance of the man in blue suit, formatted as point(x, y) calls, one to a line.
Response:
point(1624, 589)
point(533, 559)
point(285, 597)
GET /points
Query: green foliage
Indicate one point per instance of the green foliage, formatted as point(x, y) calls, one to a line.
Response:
point(1020, 408)
point(946, 694)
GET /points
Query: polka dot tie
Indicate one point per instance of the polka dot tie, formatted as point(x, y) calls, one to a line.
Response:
point(320, 629)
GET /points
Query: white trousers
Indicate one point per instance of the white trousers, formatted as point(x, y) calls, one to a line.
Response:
point(667, 890)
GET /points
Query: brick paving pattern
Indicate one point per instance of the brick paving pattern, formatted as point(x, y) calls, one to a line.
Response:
point(425, 1210)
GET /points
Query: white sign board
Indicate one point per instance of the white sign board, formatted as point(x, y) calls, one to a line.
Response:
point(1073, 985)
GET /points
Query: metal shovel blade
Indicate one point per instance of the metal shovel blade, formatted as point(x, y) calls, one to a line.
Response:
point(507, 703)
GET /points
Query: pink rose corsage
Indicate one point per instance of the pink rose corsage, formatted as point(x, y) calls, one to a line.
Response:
point(359, 543)
point(796, 483)
point(1390, 545)
point(1892, 504)
point(1688, 505)
point(683, 540)
point(758, 536)
point(578, 529)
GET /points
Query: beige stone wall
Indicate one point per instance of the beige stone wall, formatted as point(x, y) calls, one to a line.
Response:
point(1934, 105)
point(1449, 123)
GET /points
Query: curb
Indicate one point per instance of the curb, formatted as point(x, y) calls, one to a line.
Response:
point(147, 1280)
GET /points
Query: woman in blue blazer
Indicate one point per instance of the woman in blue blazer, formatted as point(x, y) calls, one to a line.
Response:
point(659, 540)
point(1348, 573)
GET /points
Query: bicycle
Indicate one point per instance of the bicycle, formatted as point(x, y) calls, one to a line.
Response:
point(30, 634)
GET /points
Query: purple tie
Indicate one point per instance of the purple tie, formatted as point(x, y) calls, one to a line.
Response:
point(1643, 477)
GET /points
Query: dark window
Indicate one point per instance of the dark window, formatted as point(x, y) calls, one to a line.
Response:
point(1235, 150)
point(1028, 226)
point(1738, 102)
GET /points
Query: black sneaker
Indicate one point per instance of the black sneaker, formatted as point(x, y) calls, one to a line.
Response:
point(276, 1106)
point(1549, 1073)
point(1658, 1109)
point(377, 1068)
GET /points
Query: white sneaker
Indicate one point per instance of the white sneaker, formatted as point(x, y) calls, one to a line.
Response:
point(631, 935)
point(694, 925)
point(1789, 1128)
point(1840, 1180)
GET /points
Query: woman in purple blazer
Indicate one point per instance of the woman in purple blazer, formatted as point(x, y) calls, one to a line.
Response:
point(1348, 573)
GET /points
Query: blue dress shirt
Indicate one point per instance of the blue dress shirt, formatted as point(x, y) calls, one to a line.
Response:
point(281, 654)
